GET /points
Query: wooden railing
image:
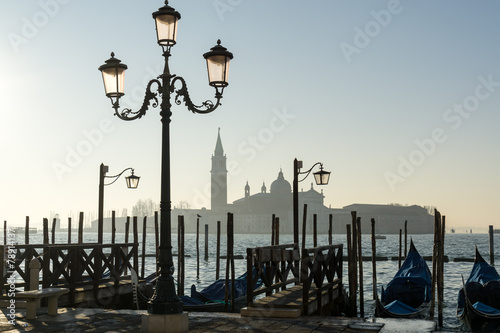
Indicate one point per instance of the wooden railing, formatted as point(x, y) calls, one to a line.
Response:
point(314, 291)
point(70, 265)
point(321, 275)
point(277, 266)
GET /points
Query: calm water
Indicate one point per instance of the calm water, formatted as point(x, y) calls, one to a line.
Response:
point(456, 245)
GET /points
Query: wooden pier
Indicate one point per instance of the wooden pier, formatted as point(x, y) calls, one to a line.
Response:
point(315, 291)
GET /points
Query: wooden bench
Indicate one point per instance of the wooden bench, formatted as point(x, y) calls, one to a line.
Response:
point(33, 296)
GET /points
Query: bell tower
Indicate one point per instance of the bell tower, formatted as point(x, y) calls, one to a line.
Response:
point(218, 177)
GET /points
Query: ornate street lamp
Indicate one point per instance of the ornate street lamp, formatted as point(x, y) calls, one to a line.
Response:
point(132, 182)
point(322, 177)
point(165, 299)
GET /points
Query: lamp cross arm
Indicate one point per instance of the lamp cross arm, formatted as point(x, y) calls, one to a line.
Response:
point(205, 107)
point(150, 96)
point(306, 173)
point(116, 177)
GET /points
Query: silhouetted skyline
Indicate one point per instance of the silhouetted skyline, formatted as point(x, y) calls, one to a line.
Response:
point(398, 99)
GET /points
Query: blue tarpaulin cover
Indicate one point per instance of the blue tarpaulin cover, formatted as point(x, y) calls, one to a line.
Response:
point(216, 291)
point(485, 308)
point(411, 284)
point(400, 308)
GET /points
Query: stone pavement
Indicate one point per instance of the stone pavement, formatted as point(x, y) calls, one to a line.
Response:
point(100, 320)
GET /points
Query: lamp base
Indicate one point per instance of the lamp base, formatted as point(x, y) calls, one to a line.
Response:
point(159, 323)
point(156, 307)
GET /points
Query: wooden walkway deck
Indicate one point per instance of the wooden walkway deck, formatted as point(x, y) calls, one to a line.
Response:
point(317, 290)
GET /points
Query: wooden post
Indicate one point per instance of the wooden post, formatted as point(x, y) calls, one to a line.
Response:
point(69, 230)
point(27, 231)
point(180, 254)
point(198, 248)
point(113, 227)
point(304, 224)
point(437, 218)
point(315, 230)
point(406, 239)
point(441, 272)
point(157, 240)
point(54, 222)
point(80, 228)
point(136, 242)
point(230, 263)
point(330, 230)
point(4, 233)
point(374, 261)
point(217, 262)
point(273, 229)
point(361, 291)
point(277, 231)
point(400, 248)
point(352, 291)
point(46, 255)
point(206, 242)
point(45, 231)
point(355, 260)
point(492, 247)
point(143, 259)
point(127, 228)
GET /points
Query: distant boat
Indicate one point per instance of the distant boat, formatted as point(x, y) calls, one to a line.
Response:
point(23, 230)
point(379, 237)
point(452, 231)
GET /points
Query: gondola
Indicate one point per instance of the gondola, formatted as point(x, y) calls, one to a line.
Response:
point(409, 292)
point(479, 300)
point(212, 298)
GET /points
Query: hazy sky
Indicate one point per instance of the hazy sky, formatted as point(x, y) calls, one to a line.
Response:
point(399, 99)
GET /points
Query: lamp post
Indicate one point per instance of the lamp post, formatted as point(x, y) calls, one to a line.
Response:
point(132, 182)
point(165, 299)
point(322, 177)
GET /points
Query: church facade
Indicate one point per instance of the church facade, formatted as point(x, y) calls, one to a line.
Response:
point(253, 213)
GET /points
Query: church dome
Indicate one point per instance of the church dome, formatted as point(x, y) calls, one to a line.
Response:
point(280, 185)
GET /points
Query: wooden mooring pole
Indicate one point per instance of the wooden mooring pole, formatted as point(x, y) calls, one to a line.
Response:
point(230, 273)
point(273, 229)
point(180, 254)
point(400, 245)
point(315, 230)
point(27, 231)
point(80, 228)
point(492, 246)
point(69, 230)
point(217, 262)
point(351, 269)
point(113, 227)
point(157, 240)
point(304, 225)
point(197, 247)
point(277, 231)
point(206, 242)
point(361, 290)
point(330, 229)
point(143, 256)
point(374, 261)
point(355, 259)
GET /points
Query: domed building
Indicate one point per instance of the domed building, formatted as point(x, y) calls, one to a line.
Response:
point(253, 213)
